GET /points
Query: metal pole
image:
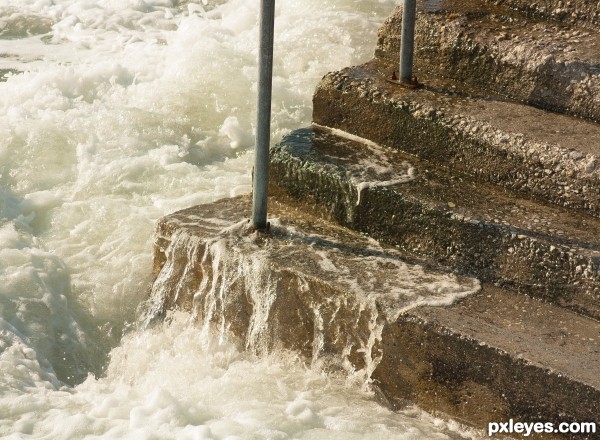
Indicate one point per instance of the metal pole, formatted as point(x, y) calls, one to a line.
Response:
point(409, 11)
point(263, 119)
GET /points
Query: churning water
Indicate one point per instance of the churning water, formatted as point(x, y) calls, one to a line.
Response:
point(112, 114)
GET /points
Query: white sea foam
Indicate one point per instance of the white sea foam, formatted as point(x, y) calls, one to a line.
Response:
point(127, 110)
point(164, 384)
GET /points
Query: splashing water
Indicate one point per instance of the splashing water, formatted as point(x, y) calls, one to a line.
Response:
point(328, 297)
point(112, 114)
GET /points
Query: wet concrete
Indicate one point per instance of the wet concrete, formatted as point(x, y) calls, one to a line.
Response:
point(461, 179)
point(494, 356)
point(310, 285)
point(548, 156)
point(496, 50)
point(346, 303)
point(478, 229)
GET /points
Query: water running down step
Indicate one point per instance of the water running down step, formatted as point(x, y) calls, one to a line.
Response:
point(475, 228)
point(346, 303)
point(549, 156)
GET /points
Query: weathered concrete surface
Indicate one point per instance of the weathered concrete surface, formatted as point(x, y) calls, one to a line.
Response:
point(579, 12)
point(478, 229)
point(344, 302)
point(549, 156)
point(495, 356)
point(493, 50)
point(300, 288)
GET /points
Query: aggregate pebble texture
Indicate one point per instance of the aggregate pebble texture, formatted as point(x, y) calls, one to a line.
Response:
point(345, 303)
point(549, 156)
point(579, 12)
point(478, 229)
point(497, 50)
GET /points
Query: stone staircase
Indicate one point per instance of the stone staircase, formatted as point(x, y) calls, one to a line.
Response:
point(496, 50)
point(491, 170)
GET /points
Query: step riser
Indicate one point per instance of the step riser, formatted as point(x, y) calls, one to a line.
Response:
point(358, 102)
point(491, 252)
point(305, 312)
point(439, 370)
point(528, 73)
point(478, 359)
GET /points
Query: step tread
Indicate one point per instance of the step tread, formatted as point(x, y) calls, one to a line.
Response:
point(540, 334)
point(548, 155)
point(493, 50)
point(369, 165)
point(475, 228)
point(567, 133)
point(318, 249)
point(494, 356)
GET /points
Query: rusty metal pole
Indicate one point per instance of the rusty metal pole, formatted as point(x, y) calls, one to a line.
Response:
point(409, 12)
point(263, 118)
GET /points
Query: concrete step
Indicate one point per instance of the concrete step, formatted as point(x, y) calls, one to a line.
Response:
point(545, 155)
point(346, 303)
point(478, 229)
point(495, 50)
point(495, 356)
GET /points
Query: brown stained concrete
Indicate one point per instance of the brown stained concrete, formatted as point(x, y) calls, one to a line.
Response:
point(493, 50)
point(477, 229)
point(548, 156)
point(344, 302)
point(579, 12)
point(300, 287)
point(494, 356)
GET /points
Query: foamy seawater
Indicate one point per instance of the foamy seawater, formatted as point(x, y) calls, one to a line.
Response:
point(112, 114)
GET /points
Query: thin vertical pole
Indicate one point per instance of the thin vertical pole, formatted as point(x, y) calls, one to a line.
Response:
point(263, 119)
point(409, 11)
